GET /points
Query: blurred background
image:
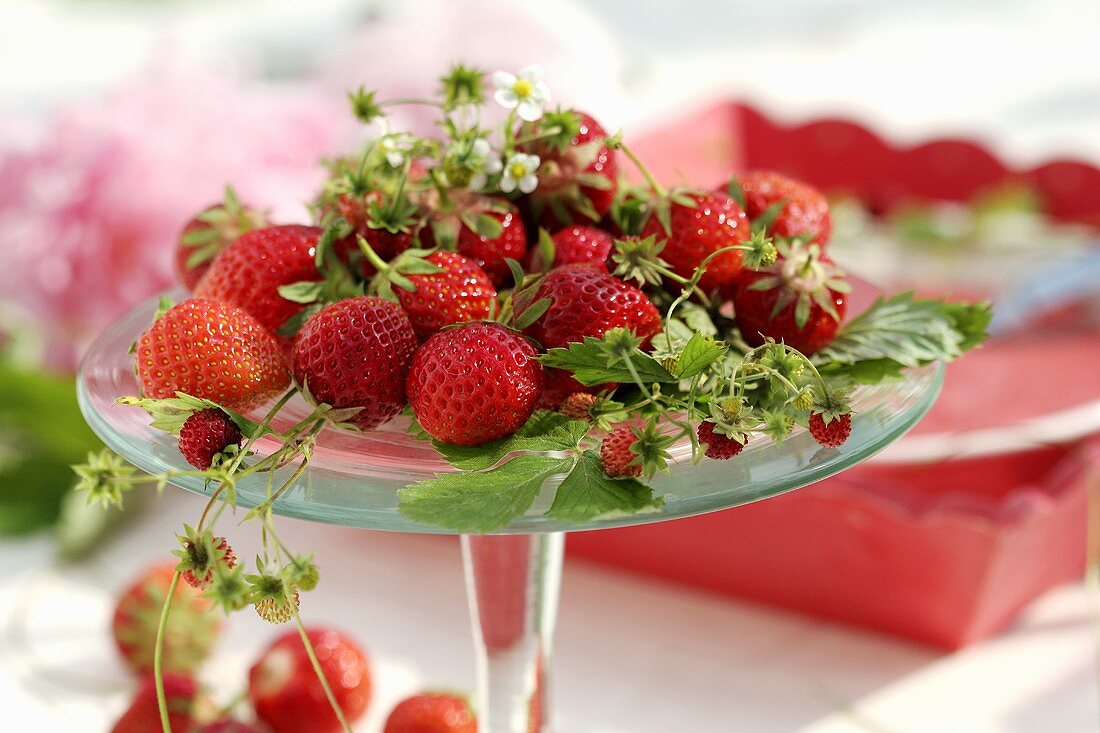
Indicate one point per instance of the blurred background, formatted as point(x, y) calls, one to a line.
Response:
point(939, 588)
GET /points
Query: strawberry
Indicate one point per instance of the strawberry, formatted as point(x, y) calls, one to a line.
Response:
point(250, 272)
point(711, 222)
point(143, 715)
point(474, 383)
point(586, 301)
point(201, 552)
point(206, 434)
point(799, 300)
point(619, 461)
point(578, 406)
point(720, 447)
point(484, 229)
point(580, 243)
point(387, 236)
point(786, 207)
point(459, 292)
point(192, 627)
point(286, 693)
point(208, 233)
point(212, 350)
point(577, 180)
point(355, 353)
point(832, 434)
point(432, 713)
point(227, 725)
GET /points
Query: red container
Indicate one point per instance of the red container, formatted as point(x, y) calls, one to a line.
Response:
point(940, 546)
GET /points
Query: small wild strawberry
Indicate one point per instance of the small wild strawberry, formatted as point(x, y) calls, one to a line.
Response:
point(831, 434)
point(578, 405)
point(719, 447)
point(206, 434)
point(200, 554)
point(619, 461)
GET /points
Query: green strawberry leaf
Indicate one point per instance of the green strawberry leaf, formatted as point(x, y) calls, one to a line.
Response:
point(545, 431)
point(306, 291)
point(588, 493)
point(698, 354)
point(171, 413)
point(480, 501)
point(589, 363)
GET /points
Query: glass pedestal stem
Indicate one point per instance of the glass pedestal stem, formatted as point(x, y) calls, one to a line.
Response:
point(513, 583)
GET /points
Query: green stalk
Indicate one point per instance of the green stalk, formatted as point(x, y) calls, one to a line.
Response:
point(158, 654)
point(656, 187)
point(319, 672)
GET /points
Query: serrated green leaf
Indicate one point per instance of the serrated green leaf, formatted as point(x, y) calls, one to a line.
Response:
point(306, 291)
point(588, 493)
point(171, 413)
point(698, 354)
point(544, 431)
point(589, 363)
point(480, 501)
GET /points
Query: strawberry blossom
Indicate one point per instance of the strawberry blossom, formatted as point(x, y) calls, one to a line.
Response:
point(525, 92)
point(520, 173)
point(485, 164)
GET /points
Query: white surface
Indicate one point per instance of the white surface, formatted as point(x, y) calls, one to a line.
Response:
point(632, 656)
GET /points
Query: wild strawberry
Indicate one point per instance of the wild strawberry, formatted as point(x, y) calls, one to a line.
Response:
point(788, 208)
point(286, 693)
point(278, 610)
point(191, 632)
point(720, 447)
point(832, 434)
point(212, 350)
point(355, 353)
point(200, 554)
point(250, 272)
point(619, 461)
point(580, 243)
point(143, 715)
point(474, 383)
point(459, 292)
point(432, 713)
point(578, 406)
point(389, 230)
point(799, 300)
point(208, 233)
point(712, 221)
point(206, 434)
point(586, 301)
point(577, 179)
point(487, 230)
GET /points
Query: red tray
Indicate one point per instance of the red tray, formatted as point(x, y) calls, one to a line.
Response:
point(927, 544)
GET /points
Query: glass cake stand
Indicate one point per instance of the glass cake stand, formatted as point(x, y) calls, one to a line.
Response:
point(513, 575)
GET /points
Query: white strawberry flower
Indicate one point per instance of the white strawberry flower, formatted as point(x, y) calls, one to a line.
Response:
point(396, 146)
point(524, 92)
point(484, 162)
point(519, 172)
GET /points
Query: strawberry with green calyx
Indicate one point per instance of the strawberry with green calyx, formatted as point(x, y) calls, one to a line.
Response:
point(275, 600)
point(632, 451)
point(578, 406)
point(201, 552)
point(718, 446)
point(208, 436)
point(485, 229)
point(782, 206)
point(831, 419)
point(211, 231)
point(639, 259)
point(188, 638)
point(799, 300)
point(575, 244)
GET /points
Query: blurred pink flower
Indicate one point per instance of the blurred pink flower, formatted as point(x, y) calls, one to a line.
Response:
point(91, 207)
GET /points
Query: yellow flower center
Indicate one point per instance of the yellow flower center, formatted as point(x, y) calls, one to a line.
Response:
point(523, 88)
point(517, 170)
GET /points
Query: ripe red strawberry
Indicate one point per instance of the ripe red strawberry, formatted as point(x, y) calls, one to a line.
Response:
point(586, 301)
point(205, 434)
point(489, 252)
point(474, 383)
point(432, 713)
point(355, 353)
point(578, 406)
point(580, 243)
point(202, 553)
point(804, 210)
point(208, 233)
point(800, 300)
point(286, 693)
point(387, 244)
point(461, 292)
point(211, 350)
point(231, 726)
point(714, 222)
point(618, 459)
point(192, 627)
point(143, 715)
point(561, 199)
point(251, 270)
point(719, 447)
point(832, 434)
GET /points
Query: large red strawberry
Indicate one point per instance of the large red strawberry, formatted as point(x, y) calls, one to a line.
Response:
point(288, 696)
point(485, 229)
point(586, 301)
point(577, 183)
point(460, 292)
point(355, 353)
point(212, 350)
point(208, 233)
point(192, 628)
point(432, 713)
point(250, 272)
point(712, 222)
point(143, 715)
point(474, 383)
point(579, 243)
point(799, 300)
point(788, 207)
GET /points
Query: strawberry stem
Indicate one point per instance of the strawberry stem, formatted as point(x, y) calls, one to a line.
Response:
point(657, 188)
point(317, 669)
point(158, 654)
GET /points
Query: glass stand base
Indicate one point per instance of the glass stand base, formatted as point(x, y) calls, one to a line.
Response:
point(513, 583)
